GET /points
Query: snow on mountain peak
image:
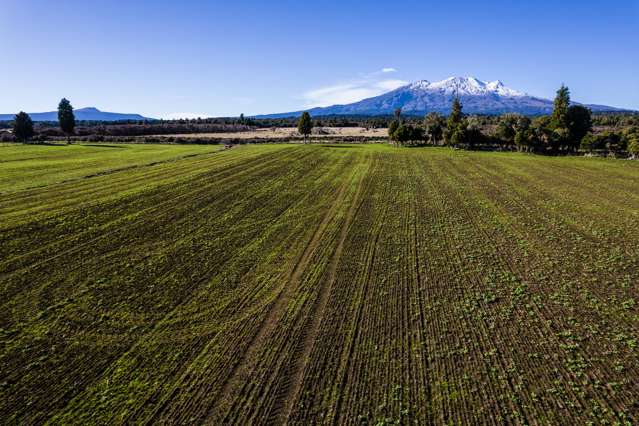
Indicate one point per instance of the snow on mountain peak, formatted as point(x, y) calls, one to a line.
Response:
point(421, 84)
point(423, 96)
point(466, 86)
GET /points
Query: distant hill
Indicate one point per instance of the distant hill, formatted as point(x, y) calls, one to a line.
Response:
point(89, 114)
point(477, 97)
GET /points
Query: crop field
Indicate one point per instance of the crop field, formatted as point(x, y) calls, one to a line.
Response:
point(28, 167)
point(345, 284)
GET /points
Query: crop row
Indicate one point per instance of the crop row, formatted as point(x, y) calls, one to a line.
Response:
point(317, 284)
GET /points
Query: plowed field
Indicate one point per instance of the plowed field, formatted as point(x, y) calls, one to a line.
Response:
point(317, 284)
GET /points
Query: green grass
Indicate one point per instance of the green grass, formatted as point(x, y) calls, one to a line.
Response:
point(338, 284)
point(29, 166)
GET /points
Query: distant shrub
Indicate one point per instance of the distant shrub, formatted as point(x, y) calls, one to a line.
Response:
point(591, 143)
point(631, 136)
point(7, 137)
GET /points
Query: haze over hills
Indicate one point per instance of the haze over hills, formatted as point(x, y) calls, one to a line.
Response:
point(418, 98)
point(88, 114)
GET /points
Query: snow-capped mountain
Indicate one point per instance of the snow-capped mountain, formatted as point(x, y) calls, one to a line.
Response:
point(465, 86)
point(477, 97)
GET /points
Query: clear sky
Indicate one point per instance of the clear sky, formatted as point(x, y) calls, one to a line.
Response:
point(221, 58)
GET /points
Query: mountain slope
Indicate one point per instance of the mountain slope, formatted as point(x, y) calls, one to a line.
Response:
point(477, 97)
point(90, 114)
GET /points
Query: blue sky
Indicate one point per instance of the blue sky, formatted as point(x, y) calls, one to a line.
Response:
point(213, 58)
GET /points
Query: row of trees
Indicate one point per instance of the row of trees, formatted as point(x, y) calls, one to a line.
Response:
point(142, 129)
point(455, 130)
point(566, 130)
point(614, 142)
point(23, 125)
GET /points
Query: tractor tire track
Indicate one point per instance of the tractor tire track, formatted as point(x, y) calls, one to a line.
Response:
point(285, 404)
point(241, 372)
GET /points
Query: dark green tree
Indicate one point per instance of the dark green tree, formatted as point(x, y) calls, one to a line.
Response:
point(473, 134)
point(403, 134)
point(590, 143)
point(434, 127)
point(398, 113)
point(66, 118)
point(613, 142)
point(459, 136)
point(392, 130)
point(305, 125)
point(22, 127)
point(455, 125)
point(523, 136)
point(507, 128)
point(579, 124)
point(406, 134)
point(559, 121)
point(456, 113)
point(541, 133)
point(559, 117)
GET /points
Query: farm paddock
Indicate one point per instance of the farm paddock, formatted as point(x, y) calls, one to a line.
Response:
point(337, 284)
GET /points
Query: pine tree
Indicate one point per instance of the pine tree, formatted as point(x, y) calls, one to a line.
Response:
point(22, 127)
point(66, 118)
point(559, 115)
point(455, 125)
point(559, 122)
point(507, 128)
point(305, 125)
point(456, 115)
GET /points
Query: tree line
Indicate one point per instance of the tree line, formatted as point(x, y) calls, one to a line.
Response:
point(567, 130)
